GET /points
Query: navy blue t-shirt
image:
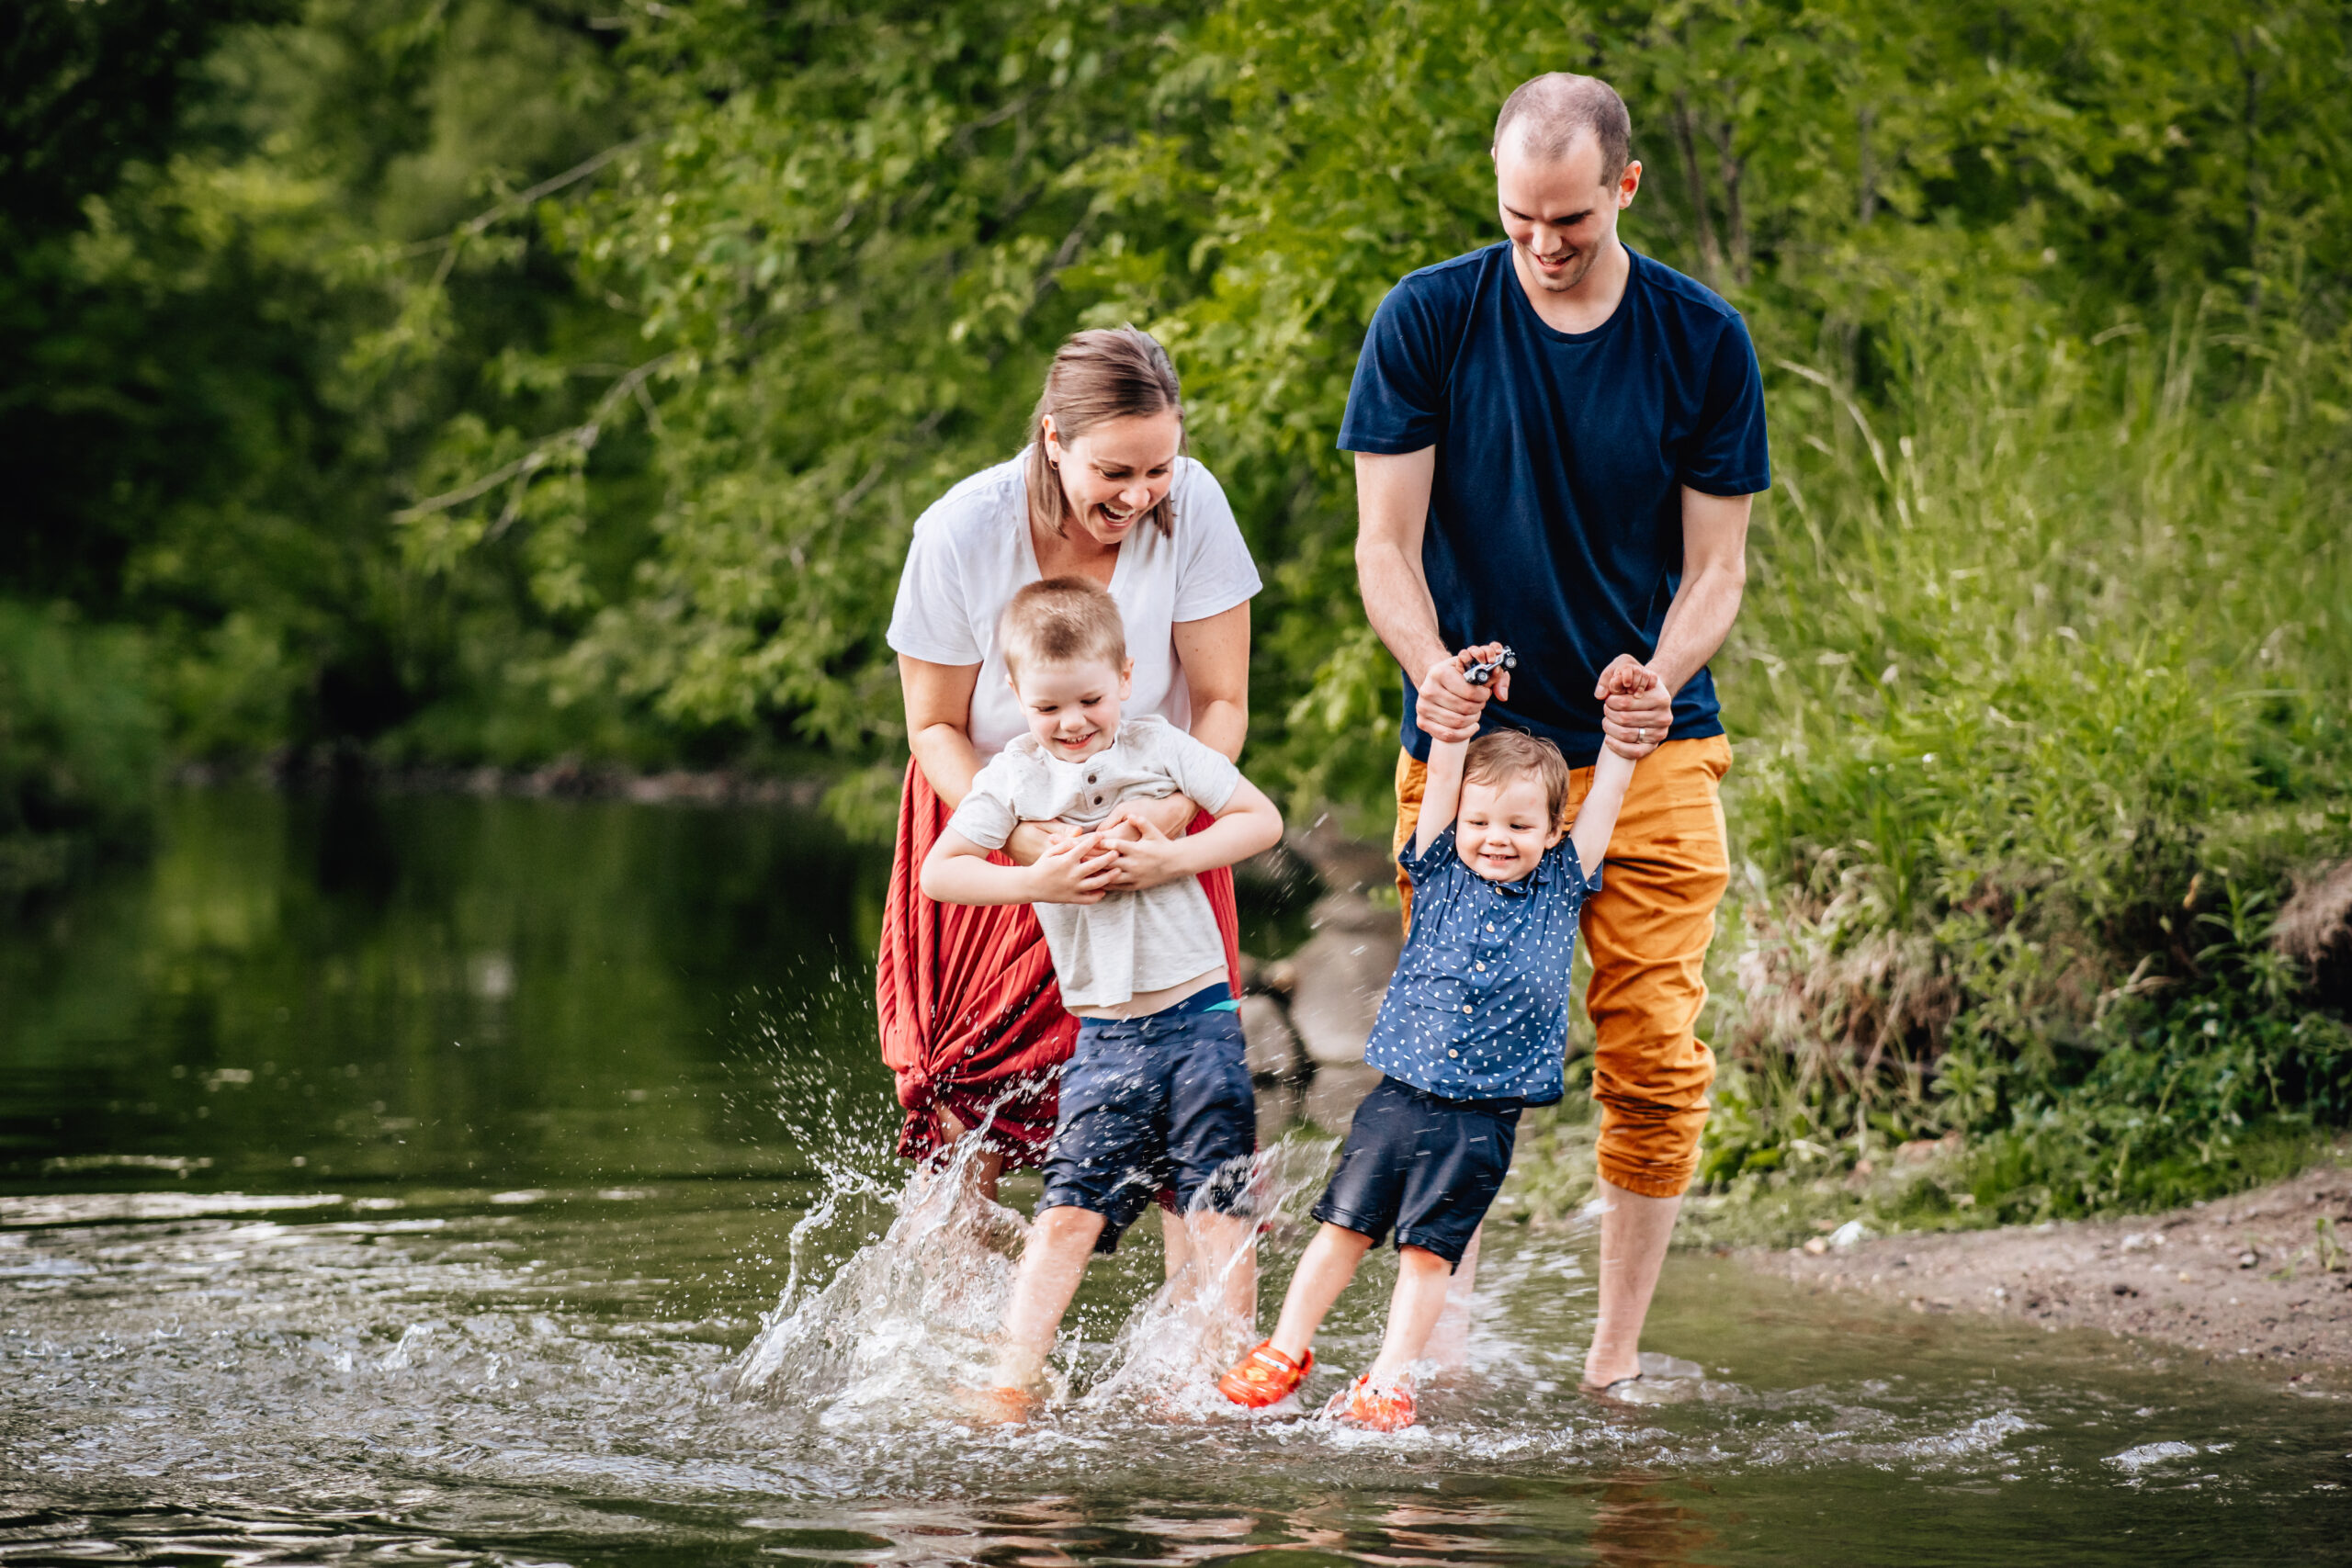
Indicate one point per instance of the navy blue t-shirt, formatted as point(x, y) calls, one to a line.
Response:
point(1556, 516)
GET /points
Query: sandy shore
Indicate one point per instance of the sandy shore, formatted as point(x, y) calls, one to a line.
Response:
point(2257, 1278)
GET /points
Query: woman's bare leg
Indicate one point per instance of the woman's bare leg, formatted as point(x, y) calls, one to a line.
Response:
point(987, 1168)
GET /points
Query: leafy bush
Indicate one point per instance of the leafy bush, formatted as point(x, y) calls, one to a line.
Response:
point(79, 746)
point(2035, 699)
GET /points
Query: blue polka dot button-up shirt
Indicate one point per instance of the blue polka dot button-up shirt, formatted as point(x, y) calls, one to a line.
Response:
point(1478, 1007)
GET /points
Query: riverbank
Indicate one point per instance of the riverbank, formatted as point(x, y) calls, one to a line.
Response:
point(2262, 1277)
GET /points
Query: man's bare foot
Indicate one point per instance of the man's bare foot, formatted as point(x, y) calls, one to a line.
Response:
point(999, 1406)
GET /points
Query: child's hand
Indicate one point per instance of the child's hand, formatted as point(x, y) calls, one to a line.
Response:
point(1149, 858)
point(1073, 870)
point(1636, 709)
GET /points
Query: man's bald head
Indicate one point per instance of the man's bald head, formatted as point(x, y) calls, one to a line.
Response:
point(1549, 113)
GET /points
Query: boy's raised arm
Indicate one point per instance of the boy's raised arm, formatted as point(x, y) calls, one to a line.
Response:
point(1442, 788)
point(1597, 817)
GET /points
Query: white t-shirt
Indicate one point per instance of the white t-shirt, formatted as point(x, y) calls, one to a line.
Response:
point(971, 554)
point(1106, 955)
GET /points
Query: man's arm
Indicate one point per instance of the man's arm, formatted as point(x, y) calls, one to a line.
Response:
point(1392, 513)
point(1714, 578)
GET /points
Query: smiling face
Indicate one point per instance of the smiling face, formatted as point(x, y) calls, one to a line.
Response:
point(1116, 470)
point(1561, 214)
point(1503, 828)
point(1072, 705)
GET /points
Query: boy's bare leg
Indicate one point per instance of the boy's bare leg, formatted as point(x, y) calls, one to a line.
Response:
point(1633, 1234)
point(1413, 1309)
point(1051, 1266)
point(1450, 1340)
point(1323, 1272)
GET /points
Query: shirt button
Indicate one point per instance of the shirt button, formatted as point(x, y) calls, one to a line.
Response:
point(1482, 967)
point(1466, 1007)
point(1490, 925)
point(1454, 1053)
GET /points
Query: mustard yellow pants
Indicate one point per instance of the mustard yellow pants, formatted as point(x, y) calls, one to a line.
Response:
point(1647, 931)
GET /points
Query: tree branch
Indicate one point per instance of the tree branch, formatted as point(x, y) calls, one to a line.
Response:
point(580, 437)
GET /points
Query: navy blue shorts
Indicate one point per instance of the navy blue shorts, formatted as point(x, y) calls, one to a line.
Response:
point(1156, 1103)
point(1428, 1166)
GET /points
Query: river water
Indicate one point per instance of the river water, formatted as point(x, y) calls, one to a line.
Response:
point(411, 1179)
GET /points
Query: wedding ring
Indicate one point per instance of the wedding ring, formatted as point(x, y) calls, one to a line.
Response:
point(1641, 737)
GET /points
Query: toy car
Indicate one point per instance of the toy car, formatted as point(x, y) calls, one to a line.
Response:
point(1482, 671)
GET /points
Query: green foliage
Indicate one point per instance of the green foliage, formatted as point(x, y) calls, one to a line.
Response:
point(80, 745)
point(483, 380)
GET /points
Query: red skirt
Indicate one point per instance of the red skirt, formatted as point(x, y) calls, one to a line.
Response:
point(971, 1015)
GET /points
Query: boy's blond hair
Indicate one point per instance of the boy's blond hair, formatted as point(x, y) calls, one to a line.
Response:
point(1062, 620)
point(1500, 756)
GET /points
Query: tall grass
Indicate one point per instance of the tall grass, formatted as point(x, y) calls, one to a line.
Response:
point(2043, 690)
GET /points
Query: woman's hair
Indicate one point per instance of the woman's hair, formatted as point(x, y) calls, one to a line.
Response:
point(1099, 375)
point(1060, 621)
point(1497, 757)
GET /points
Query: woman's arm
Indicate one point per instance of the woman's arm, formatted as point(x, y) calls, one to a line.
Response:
point(939, 733)
point(939, 721)
point(1213, 653)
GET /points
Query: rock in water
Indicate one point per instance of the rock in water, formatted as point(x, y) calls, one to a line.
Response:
point(1343, 972)
point(2315, 931)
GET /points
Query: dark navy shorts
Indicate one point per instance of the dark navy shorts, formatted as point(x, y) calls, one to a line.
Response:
point(1428, 1166)
point(1156, 1103)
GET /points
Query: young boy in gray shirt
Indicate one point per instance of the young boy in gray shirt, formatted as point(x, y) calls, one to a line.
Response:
point(1156, 1094)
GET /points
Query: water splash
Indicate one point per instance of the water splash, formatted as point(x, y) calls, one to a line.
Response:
point(911, 1318)
point(907, 1319)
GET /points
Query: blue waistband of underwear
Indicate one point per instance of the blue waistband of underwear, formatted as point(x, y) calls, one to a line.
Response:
point(1208, 999)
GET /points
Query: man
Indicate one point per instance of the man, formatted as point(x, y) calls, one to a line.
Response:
point(1557, 443)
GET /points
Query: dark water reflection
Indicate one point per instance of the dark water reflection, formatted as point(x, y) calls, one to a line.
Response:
point(562, 1079)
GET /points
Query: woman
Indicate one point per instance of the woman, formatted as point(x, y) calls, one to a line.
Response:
point(972, 1021)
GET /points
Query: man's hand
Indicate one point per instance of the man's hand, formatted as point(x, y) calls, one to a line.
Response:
point(1073, 870)
point(1636, 708)
point(1448, 706)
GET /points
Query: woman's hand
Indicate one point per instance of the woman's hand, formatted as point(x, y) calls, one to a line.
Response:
point(1031, 840)
point(1137, 821)
point(1072, 871)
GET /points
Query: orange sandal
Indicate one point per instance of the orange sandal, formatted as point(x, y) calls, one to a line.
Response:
point(1377, 1410)
point(1265, 1376)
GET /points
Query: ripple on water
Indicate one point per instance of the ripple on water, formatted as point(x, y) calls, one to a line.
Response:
point(578, 1377)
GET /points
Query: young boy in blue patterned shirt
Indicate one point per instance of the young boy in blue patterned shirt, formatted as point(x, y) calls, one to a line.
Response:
point(1473, 1030)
